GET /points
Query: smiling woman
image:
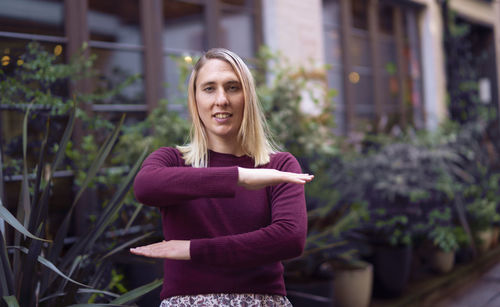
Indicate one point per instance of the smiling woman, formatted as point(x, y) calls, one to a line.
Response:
point(220, 103)
point(232, 206)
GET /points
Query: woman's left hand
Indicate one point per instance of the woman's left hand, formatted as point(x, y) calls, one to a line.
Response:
point(173, 249)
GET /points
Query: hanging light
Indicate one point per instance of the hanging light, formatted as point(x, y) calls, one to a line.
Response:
point(354, 77)
point(58, 50)
point(5, 60)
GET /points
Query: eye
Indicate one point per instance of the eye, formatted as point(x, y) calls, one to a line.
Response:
point(208, 89)
point(234, 88)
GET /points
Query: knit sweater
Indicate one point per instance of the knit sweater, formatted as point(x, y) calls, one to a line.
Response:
point(238, 236)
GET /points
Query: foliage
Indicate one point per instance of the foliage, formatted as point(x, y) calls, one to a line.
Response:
point(39, 87)
point(41, 79)
point(463, 62)
point(37, 273)
point(442, 232)
point(283, 90)
point(482, 214)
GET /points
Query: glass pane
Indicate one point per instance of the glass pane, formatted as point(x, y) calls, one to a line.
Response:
point(32, 16)
point(336, 83)
point(388, 56)
point(390, 93)
point(412, 56)
point(331, 13)
point(184, 25)
point(12, 49)
point(333, 47)
point(360, 49)
point(114, 21)
point(363, 95)
point(237, 33)
point(176, 81)
point(116, 66)
point(359, 14)
point(385, 19)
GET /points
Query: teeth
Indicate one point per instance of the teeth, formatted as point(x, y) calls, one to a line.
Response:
point(222, 115)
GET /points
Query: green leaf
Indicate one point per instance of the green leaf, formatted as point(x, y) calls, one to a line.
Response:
point(126, 244)
point(12, 221)
point(6, 276)
point(11, 301)
point(138, 292)
point(98, 291)
point(107, 216)
point(96, 164)
point(49, 265)
point(25, 195)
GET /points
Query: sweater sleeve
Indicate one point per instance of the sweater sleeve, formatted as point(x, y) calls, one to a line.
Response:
point(163, 180)
point(283, 239)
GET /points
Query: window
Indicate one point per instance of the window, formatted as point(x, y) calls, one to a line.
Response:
point(191, 27)
point(116, 39)
point(333, 54)
point(372, 47)
point(184, 37)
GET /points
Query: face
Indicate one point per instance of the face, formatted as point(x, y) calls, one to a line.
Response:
point(220, 101)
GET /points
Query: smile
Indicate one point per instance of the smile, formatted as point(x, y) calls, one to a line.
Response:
point(222, 115)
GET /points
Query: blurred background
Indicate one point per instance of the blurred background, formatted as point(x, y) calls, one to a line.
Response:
point(343, 83)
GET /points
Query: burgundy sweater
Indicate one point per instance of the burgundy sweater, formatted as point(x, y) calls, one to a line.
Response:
point(238, 237)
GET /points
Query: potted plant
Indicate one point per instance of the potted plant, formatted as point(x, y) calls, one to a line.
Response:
point(482, 215)
point(352, 276)
point(444, 239)
point(353, 280)
point(332, 261)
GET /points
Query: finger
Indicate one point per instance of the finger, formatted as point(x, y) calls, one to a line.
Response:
point(151, 245)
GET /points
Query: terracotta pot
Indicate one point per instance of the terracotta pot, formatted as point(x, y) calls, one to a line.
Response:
point(484, 240)
point(353, 287)
point(441, 261)
point(495, 237)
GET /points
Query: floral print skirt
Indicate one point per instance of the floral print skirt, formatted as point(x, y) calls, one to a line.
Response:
point(227, 299)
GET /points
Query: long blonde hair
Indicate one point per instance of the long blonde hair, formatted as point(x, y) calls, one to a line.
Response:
point(253, 134)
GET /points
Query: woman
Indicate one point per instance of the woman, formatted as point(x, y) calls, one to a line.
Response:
point(232, 206)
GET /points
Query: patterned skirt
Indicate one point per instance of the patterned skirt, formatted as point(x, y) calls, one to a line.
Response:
point(227, 300)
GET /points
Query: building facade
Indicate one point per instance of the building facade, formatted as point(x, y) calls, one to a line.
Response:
point(386, 58)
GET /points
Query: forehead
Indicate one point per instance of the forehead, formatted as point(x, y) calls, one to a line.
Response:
point(215, 70)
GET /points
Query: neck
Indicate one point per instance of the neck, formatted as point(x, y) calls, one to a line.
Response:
point(233, 148)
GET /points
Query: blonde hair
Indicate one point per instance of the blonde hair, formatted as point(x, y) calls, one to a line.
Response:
point(253, 134)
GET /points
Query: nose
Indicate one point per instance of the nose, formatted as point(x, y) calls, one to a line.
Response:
point(221, 98)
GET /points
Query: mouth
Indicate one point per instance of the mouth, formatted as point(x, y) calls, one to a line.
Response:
point(222, 115)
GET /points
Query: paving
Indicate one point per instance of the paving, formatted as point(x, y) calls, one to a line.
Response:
point(484, 292)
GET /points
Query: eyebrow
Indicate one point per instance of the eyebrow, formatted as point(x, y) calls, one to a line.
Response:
point(213, 82)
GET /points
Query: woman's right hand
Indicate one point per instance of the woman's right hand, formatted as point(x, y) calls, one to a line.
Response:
point(258, 178)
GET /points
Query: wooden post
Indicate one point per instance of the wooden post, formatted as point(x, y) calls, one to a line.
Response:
point(346, 24)
point(152, 29)
point(402, 69)
point(77, 33)
point(212, 17)
point(373, 21)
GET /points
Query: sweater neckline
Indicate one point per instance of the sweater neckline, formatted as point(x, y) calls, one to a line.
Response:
point(226, 156)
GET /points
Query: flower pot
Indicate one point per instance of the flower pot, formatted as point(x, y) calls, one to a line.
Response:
point(352, 287)
point(441, 261)
point(484, 240)
point(495, 237)
point(392, 266)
